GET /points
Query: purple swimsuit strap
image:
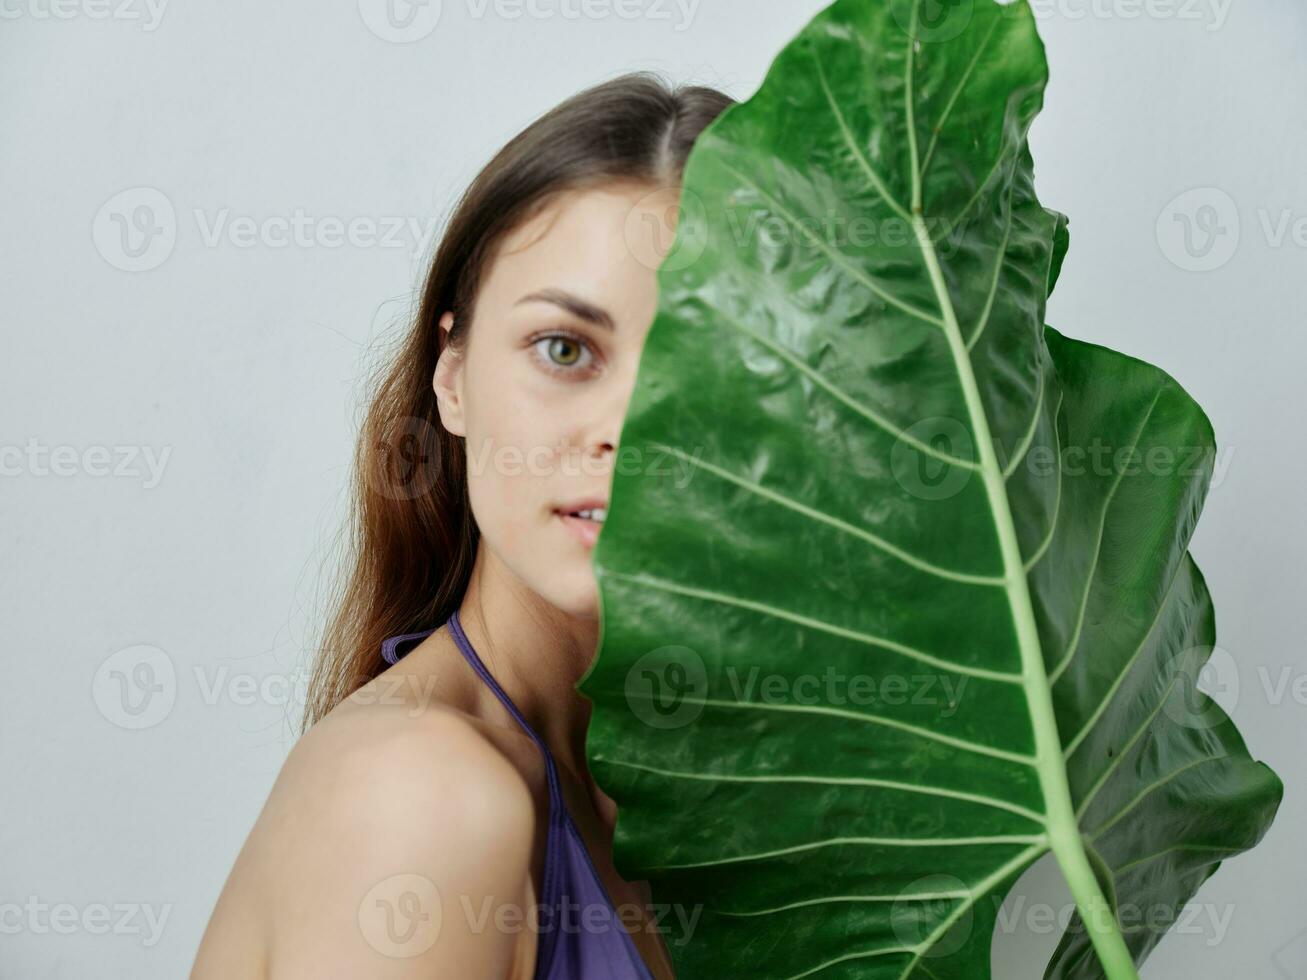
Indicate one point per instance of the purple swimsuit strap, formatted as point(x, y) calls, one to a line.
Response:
point(556, 808)
point(390, 653)
point(569, 873)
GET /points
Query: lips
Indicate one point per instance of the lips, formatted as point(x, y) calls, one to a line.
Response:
point(583, 529)
point(584, 518)
point(595, 507)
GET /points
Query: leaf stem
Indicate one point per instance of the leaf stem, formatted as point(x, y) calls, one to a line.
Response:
point(1095, 912)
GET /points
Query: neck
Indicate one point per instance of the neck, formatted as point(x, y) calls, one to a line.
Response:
point(536, 652)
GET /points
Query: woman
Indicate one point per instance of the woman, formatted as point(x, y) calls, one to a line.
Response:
point(437, 818)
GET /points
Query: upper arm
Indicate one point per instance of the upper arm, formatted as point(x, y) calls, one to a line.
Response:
point(393, 854)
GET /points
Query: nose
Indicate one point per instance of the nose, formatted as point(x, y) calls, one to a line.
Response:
point(604, 434)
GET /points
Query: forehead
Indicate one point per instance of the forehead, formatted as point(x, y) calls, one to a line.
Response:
point(594, 214)
point(586, 239)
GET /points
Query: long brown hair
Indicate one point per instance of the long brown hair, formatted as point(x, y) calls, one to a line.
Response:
point(411, 534)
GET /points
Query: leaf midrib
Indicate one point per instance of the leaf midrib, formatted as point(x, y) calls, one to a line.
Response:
point(1062, 829)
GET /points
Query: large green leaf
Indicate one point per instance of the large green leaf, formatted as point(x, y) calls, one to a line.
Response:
point(908, 602)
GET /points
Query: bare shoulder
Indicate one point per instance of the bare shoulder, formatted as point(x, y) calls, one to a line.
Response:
point(383, 830)
point(383, 809)
point(350, 757)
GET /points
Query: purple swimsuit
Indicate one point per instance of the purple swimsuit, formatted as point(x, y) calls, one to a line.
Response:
point(580, 935)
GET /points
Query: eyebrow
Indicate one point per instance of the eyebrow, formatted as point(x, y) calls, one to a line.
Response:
point(582, 309)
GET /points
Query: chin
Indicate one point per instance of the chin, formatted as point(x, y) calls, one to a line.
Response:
point(580, 601)
point(583, 607)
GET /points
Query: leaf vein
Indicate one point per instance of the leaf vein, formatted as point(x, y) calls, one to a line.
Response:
point(1073, 644)
point(867, 638)
point(924, 790)
point(875, 540)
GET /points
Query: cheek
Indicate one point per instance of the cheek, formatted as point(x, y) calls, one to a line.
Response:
point(512, 451)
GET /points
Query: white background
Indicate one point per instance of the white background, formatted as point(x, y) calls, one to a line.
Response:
point(238, 366)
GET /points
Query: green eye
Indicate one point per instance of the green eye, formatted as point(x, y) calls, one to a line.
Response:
point(564, 351)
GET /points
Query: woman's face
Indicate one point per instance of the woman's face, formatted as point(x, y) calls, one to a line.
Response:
point(542, 386)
